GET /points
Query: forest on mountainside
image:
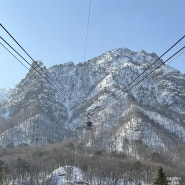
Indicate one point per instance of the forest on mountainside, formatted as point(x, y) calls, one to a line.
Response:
point(33, 165)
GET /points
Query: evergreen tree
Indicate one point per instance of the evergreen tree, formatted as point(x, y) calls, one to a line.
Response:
point(161, 177)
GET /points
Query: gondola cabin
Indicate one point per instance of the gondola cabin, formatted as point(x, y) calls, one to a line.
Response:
point(89, 125)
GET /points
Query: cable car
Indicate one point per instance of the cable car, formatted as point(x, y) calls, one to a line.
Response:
point(88, 123)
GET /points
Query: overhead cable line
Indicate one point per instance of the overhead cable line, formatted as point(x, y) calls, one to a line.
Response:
point(29, 69)
point(22, 58)
point(87, 30)
point(28, 55)
point(16, 41)
point(144, 78)
point(148, 75)
point(50, 80)
point(18, 53)
point(54, 85)
point(154, 62)
point(125, 90)
point(168, 62)
point(14, 56)
point(176, 57)
point(156, 68)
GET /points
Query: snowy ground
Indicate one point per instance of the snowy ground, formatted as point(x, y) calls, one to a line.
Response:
point(67, 175)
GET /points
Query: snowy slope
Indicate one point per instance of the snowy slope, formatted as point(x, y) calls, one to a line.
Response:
point(66, 175)
point(5, 94)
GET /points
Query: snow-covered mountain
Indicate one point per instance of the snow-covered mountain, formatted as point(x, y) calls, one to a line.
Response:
point(5, 94)
point(149, 116)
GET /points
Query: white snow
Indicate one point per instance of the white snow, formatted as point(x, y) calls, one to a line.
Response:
point(5, 94)
point(65, 175)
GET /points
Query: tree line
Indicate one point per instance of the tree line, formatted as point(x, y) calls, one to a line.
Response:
point(32, 165)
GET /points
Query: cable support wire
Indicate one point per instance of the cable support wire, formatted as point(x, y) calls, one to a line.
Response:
point(21, 56)
point(16, 59)
point(87, 30)
point(177, 52)
point(168, 62)
point(14, 56)
point(35, 69)
point(29, 55)
point(180, 53)
point(141, 81)
point(56, 86)
point(16, 41)
point(125, 90)
point(154, 62)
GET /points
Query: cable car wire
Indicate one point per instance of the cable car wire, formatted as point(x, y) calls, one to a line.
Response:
point(16, 41)
point(152, 72)
point(35, 69)
point(157, 68)
point(140, 75)
point(87, 29)
point(51, 81)
point(14, 56)
point(30, 57)
point(141, 81)
point(154, 62)
point(176, 57)
point(125, 90)
point(169, 61)
point(18, 54)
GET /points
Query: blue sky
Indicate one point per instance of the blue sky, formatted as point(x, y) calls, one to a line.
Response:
point(55, 31)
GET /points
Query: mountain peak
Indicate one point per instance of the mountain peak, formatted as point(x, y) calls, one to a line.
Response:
point(38, 66)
